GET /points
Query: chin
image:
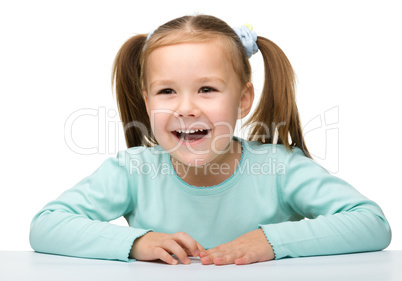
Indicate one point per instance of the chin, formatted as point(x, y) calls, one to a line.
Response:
point(192, 161)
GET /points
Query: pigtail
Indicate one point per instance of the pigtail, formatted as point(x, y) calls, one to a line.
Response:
point(277, 107)
point(126, 76)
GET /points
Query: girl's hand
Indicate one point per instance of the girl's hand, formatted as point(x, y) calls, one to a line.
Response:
point(155, 245)
point(248, 248)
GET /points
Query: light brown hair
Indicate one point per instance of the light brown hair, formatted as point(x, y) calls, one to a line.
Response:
point(277, 105)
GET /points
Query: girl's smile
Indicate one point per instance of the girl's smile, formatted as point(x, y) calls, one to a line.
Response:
point(193, 98)
point(191, 136)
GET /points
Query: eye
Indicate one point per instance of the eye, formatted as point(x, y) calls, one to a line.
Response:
point(207, 90)
point(166, 92)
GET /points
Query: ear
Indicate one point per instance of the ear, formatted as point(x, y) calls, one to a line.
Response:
point(145, 96)
point(246, 100)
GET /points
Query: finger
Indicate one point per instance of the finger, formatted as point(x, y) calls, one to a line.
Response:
point(225, 259)
point(187, 242)
point(209, 252)
point(165, 256)
point(197, 252)
point(188, 252)
point(218, 250)
point(200, 249)
point(177, 250)
point(246, 259)
point(219, 261)
point(207, 257)
point(206, 260)
point(222, 254)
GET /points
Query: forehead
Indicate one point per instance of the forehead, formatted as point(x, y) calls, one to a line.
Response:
point(189, 59)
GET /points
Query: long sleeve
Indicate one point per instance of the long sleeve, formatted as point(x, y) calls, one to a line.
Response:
point(77, 223)
point(339, 219)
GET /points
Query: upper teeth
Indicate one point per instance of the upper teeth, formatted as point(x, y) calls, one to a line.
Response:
point(189, 131)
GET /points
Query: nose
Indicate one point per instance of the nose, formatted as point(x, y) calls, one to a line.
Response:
point(187, 107)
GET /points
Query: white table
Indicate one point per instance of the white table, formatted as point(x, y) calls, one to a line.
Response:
point(378, 266)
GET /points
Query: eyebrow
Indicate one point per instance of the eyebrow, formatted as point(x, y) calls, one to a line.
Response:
point(211, 79)
point(200, 80)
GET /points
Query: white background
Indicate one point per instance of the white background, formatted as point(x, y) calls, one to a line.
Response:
point(56, 59)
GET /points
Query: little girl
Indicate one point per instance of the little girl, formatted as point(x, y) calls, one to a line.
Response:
point(186, 185)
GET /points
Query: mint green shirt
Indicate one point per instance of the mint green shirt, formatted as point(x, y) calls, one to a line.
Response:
point(303, 209)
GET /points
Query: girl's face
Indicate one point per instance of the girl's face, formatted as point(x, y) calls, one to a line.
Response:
point(193, 99)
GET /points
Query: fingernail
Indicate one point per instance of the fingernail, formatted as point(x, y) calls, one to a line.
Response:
point(187, 261)
point(174, 261)
point(196, 253)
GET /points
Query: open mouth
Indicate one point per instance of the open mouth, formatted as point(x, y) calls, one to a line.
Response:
point(191, 135)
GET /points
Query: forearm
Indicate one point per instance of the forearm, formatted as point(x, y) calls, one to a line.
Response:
point(63, 233)
point(341, 233)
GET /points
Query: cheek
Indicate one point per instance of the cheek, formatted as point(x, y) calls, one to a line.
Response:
point(225, 110)
point(156, 117)
point(158, 121)
point(224, 120)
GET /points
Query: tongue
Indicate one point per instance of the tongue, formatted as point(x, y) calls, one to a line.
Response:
point(193, 136)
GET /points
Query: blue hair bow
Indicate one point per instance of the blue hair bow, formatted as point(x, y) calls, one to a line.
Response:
point(248, 38)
